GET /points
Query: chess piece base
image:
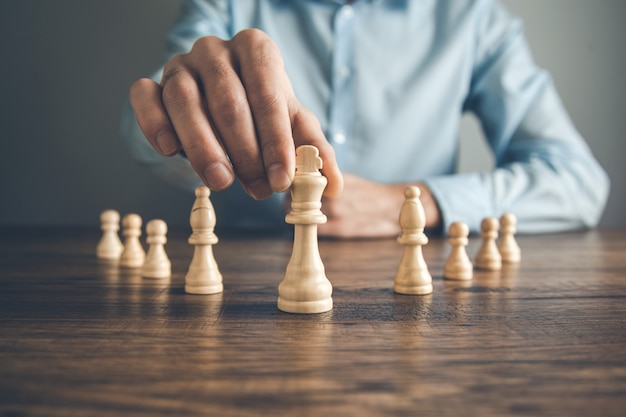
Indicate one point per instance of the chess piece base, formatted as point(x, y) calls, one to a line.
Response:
point(413, 276)
point(488, 265)
point(204, 289)
point(109, 254)
point(458, 274)
point(203, 276)
point(130, 262)
point(511, 257)
point(305, 307)
point(157, 272)
point(413, 289)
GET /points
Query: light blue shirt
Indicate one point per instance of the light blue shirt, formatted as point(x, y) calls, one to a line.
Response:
point(389, 81)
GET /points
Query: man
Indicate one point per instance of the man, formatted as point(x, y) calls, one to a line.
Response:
point(379, 87)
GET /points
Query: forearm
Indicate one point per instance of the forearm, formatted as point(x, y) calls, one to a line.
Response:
point(544, 197)
point(545, 172)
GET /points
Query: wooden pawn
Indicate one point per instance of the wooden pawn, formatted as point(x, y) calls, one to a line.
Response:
point(110, 246)
point(488, 256)
point(508, 247)
point(133, 255)
point(458, 265)
point(157, 264)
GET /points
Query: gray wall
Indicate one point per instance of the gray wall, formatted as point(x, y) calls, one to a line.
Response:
point(67, 66)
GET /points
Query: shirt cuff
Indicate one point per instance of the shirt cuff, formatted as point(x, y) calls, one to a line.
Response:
point(461, 197)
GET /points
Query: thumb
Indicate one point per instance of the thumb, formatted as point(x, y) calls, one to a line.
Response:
point(307, 131)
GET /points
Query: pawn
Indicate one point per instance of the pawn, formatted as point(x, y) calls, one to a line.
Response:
point(508, 247)
point(133, 254)
point(458, 266)
point(157, 264)
point(488, 256)
point(203, 276)
point(110, 246)
point(413, 276)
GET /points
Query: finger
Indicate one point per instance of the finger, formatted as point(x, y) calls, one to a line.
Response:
point(307, 131)
point(183, 102)
point(263, 76)
point(230, 113)
point(145, 99)
point(287, 203)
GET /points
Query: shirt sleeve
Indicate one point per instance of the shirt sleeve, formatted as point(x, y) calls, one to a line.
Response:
point(545, 173)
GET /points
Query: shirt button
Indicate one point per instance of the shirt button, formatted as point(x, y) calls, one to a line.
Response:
point(347, 12)
point(344, 72)
point(339, 138)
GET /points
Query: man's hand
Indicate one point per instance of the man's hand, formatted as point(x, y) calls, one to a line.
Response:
point(367, 209)
point(230, 106)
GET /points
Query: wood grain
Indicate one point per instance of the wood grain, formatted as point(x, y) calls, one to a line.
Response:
point(80, 337)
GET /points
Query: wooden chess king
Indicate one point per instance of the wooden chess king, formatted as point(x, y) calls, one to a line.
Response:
point(305, 288)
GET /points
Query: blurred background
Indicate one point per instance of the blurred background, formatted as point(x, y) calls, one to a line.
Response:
point(67, 66)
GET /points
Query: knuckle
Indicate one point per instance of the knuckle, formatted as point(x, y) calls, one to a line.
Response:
point(259, 48)
point(171, 73)
point(206, 44)
point(178, 92)
point(229, 109)
point(250, 36)
point(273, 152)
point(137, 89)
point(173, 68)
point(196, 153)
point(211, 58)
point(217, 69)
point(264, 99)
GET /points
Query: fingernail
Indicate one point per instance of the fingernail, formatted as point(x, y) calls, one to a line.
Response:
point(167, 143)
point(278, 178)
point(217, 176)
point(259, 189)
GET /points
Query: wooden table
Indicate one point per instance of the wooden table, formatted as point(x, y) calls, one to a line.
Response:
point(85, 338)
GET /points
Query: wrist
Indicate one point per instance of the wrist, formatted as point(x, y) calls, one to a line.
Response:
point(431, 208)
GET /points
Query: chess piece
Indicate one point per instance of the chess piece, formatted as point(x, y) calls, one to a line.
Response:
point(203, 276)
point(305, 288)
point(133, 254)
point(413, 276)
point(157, 264)
point(110, 246)
point(508, 247)
point(458, 265)
point(488, 256)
